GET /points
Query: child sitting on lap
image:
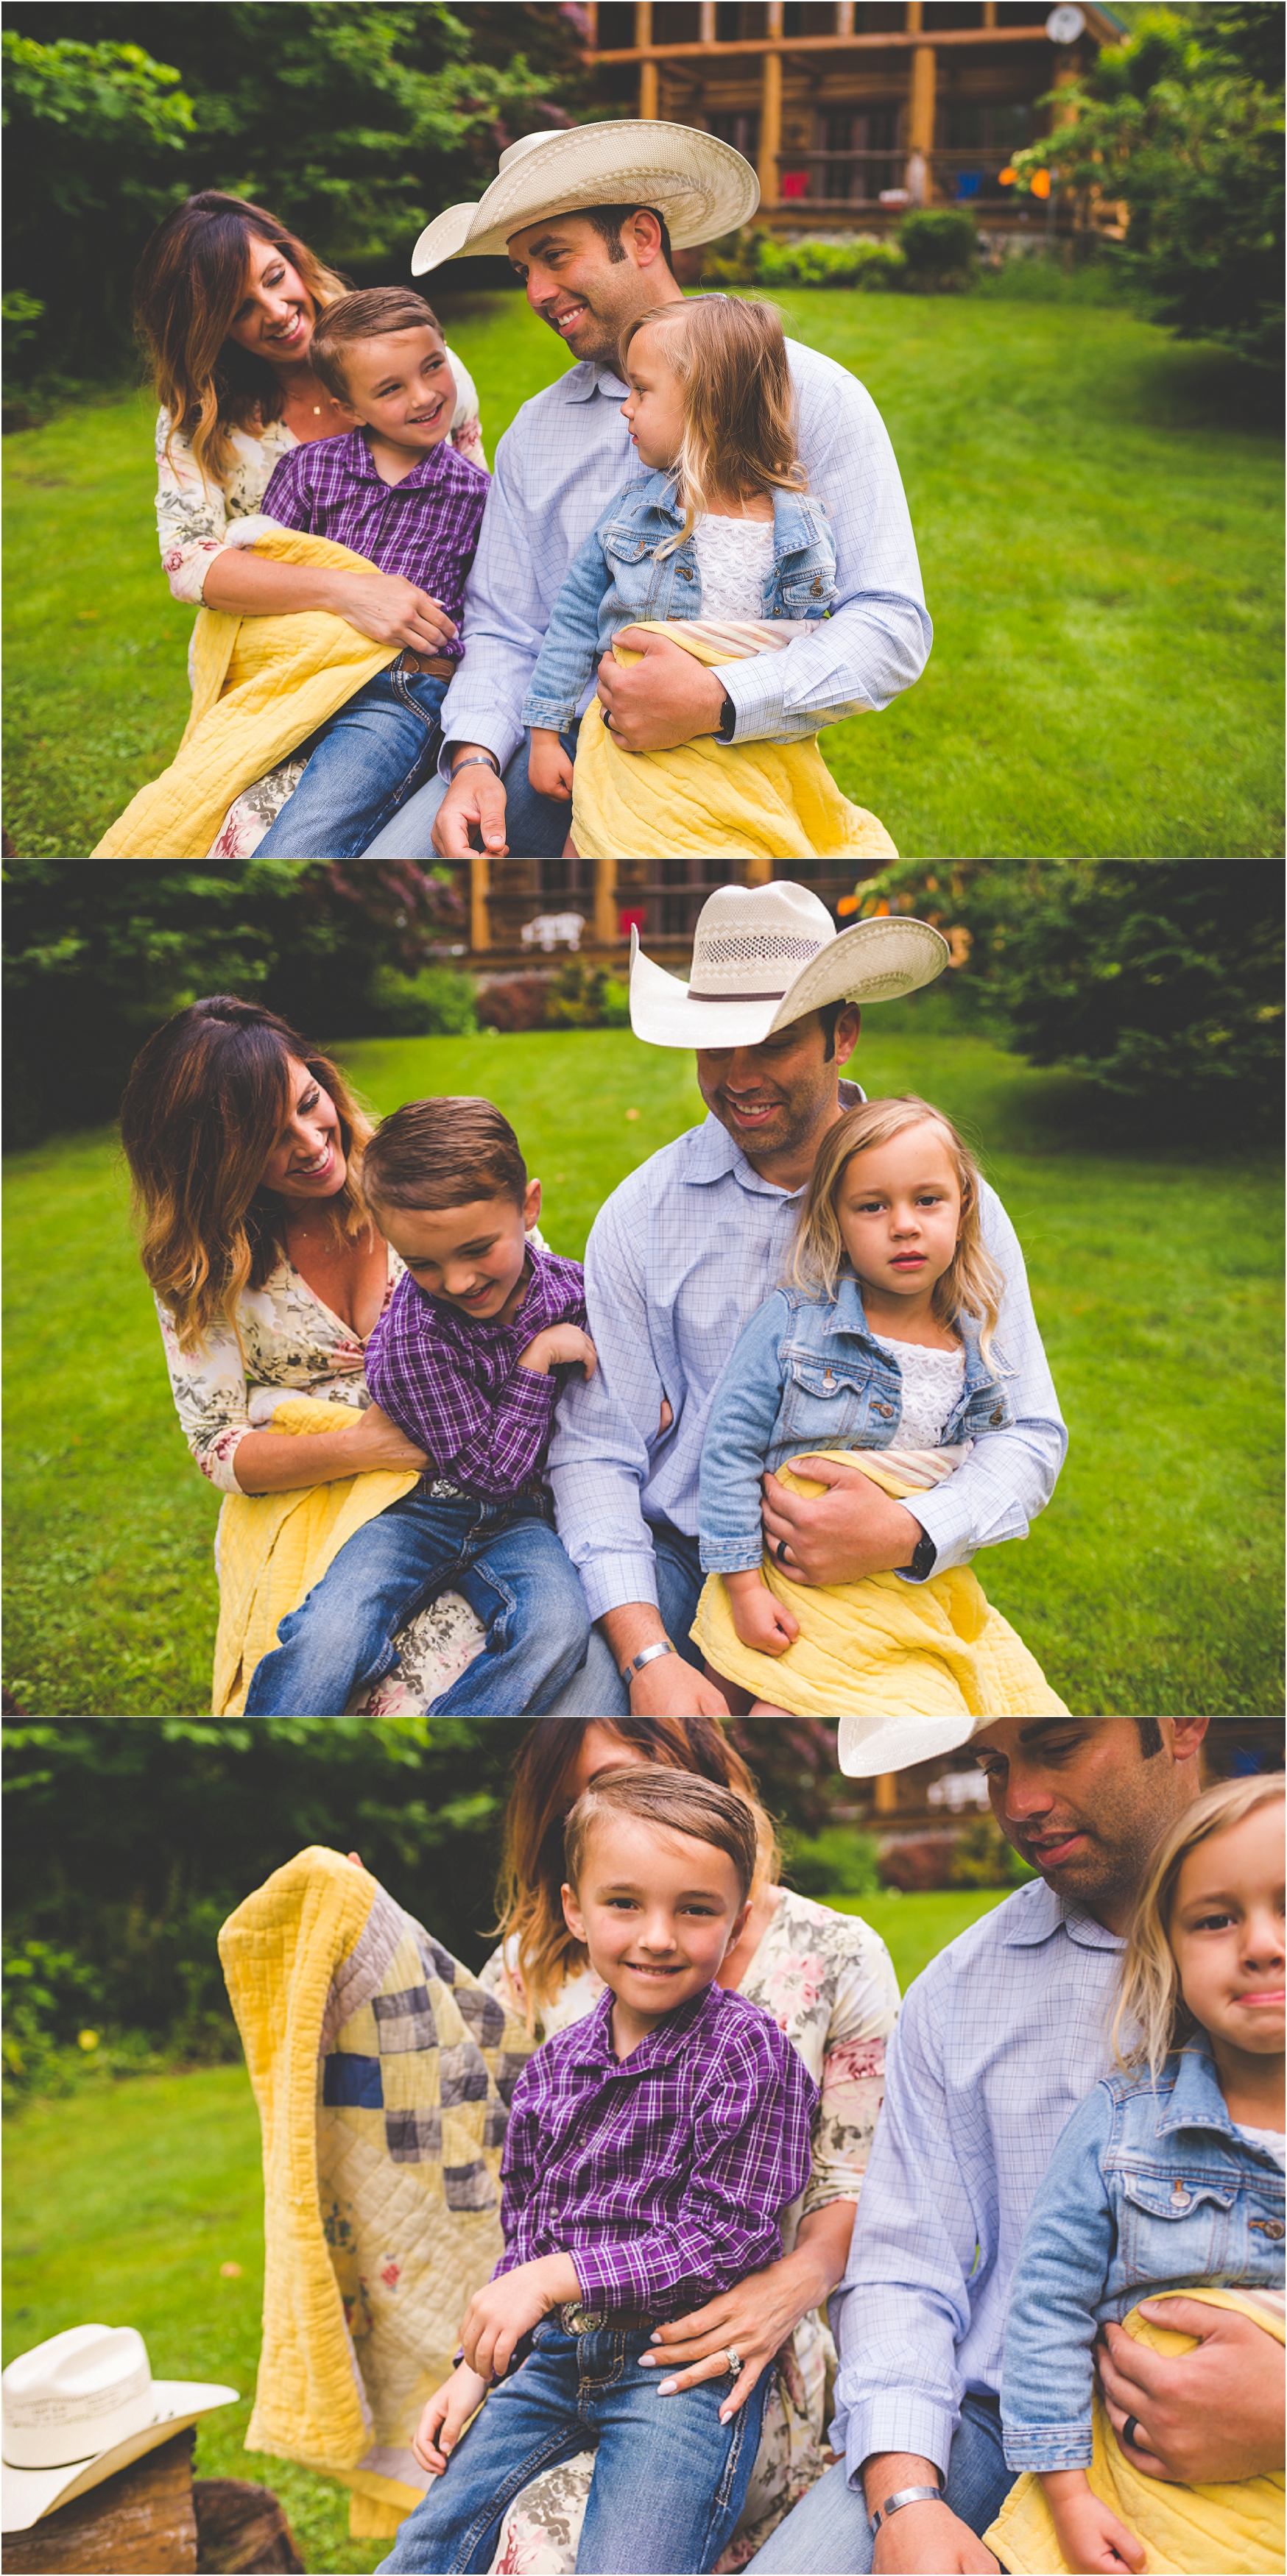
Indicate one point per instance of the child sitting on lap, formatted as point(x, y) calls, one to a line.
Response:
point(1167, 2181)
point(469, 1360)
point(880, 1350)
point(649, 2153)
point(398, 492)
point(719, 545)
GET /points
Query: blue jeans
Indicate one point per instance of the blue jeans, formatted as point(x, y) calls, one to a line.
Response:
point(828, 2528)
point(363, 766)
point(536, 827)
point(504, 1558)
point(669, 2479)
point(597, 1690)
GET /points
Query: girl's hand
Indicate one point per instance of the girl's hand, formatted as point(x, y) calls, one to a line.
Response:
point(558, 1345)
point(756, 2319)
point(759, 1619)
point(1090, 2536)
point(391, 611)
point(444, 2419)
point(377, 1442)
point(549, 769)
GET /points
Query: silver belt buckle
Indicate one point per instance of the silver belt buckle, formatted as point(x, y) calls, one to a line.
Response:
point(577, 2320)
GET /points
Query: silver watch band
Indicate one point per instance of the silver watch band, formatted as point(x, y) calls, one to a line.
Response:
point(479, 760)
point(648, 1655)
point(905, 2495)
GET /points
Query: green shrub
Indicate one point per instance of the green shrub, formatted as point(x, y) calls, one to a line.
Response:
point(833, 1863)
point(939, 246)
point(869, 264)
point(586, 997)
point(981, 1857)
point(438, 1002)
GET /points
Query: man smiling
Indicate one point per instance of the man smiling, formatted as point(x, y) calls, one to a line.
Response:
point(588, 220)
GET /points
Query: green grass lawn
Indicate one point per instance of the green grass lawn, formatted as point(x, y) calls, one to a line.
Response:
point(122, 2204)
point(1152, 1583)
point(1096, 509)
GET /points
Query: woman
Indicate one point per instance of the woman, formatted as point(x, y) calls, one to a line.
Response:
point(829, 1984)
point(226, 300)
point(245, 1148)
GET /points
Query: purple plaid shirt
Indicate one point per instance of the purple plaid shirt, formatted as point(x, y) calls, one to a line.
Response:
point(663, 2173)
point(425, 527)
point(455, 1386)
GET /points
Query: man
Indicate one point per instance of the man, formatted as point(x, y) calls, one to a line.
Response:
point(685, 1251)
point(1003, 2034)
point(589, 268)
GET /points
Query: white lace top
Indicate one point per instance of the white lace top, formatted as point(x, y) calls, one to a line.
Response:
point(932, 1382)
point(735, 559)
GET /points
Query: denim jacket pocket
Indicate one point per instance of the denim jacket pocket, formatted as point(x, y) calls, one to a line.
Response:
point(1175, 2226)
point(827, 1404)
point(808, 592)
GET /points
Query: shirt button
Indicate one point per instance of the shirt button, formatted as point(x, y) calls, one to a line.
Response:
point(1268, 2227)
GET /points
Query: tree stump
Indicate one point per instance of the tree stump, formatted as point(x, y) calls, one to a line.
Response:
point(153, 2520)
point(242, 2528)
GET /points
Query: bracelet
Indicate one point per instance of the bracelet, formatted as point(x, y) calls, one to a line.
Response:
point(648, 1656)
point(905, 2495)
point(479, 760)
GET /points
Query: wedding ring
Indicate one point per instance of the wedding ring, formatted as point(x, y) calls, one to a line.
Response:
point(780, 1551)
point(1130, 2430)
point(734, 2359)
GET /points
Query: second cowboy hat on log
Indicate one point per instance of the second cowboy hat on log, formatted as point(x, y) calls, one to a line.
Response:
point(76, 2409)
point(766, 955)
point(701, 187)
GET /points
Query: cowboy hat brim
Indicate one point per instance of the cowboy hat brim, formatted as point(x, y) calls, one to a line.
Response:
point(868, 1745)
point(701, 185)
point(876, 961)
point(27, 2495)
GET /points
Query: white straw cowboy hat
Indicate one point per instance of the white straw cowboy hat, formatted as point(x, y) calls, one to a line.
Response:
point(701, 186)
point(82, 2406)
point(768, 954)
point(872, 1744)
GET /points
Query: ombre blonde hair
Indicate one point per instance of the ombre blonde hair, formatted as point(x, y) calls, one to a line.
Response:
point(730, 360)
point(972, 1283)
point(533, 1868)
point(203, 1108)
point(1150, 2000)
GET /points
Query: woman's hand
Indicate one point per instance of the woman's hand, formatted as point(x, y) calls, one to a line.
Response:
point(374, 1441)
point(391, 610)
point(755, 2319)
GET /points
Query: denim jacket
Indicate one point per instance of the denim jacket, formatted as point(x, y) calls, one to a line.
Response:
point(1146, 2191)
point(618, 577)
point(806, 1374)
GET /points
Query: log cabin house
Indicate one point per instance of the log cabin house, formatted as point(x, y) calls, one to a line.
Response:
point(661, 898)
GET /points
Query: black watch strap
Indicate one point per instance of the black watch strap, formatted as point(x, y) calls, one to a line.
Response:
point(924, 1559)
point(727, 725)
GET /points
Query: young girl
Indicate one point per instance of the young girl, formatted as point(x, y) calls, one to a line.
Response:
point(880, 1350)
point(1167, 2182)
point(716, 545)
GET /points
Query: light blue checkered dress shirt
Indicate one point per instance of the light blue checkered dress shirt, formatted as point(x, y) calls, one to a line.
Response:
point(557, 467)
point(998, 2041)
point(678, 1260)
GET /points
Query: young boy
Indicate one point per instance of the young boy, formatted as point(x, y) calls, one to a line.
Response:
point(464, 1360)
point(650, 2150)
point(397, 491)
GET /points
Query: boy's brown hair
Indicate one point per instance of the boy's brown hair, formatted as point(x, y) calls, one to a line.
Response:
point(370, 315)
point(443, 1153)
point(676, 1802)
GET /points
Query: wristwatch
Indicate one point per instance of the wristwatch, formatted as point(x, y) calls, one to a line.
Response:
point(727, 726)
point(648, 1655)
point(905, 2495)
point(924, 1559)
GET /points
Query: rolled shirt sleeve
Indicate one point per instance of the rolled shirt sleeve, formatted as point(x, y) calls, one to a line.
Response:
point(1048, 2372)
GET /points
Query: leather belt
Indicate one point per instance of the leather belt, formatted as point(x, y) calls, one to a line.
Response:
point(578, 2320)
point(431, 666)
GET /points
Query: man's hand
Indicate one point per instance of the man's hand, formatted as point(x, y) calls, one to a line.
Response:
point(1091, 2536)
point(760, 1621)
point(504, 2310)
point(474, 802)
point(671, 1688)
point(392, 611)
point(1205, 2417)
point(444, 2419)
point(556, 1347)
point(923, 2539)
point(549, 769)
point(841, 1536)
point(665, 699)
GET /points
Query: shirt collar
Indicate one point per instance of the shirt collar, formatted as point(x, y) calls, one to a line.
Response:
point(714, 1153)
point(359, 465)
point(1036, 1911)
point(592, 376)
point(1194, 2099)
point(662, 2045)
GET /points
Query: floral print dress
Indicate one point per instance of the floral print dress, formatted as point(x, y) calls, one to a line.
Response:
point(287, 1342)
point(828, 1981)
point(197, 519)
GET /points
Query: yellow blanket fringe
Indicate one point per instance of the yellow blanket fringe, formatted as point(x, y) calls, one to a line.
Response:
point(274, 1547)
point(754, 799)
point(261, 685)
point(880, 1648)
point(370, 2260)
point(1236, 2528)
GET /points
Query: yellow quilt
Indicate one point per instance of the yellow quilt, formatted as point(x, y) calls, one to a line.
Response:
point(880, 1648)
point(1231, 2530)
point(274, 1547)
point(261, 685)
point(755, 799)
point(382, 2072)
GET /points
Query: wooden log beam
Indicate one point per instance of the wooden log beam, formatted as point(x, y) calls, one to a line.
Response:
point(898, 40)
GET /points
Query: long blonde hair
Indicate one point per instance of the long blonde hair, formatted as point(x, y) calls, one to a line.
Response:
point(202, 1110)
point(528, 1899)
point(730, 359)
point(971, 1285)
point(1149, 1999)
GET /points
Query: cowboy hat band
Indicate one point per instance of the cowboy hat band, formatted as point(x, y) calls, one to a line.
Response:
point(767, 955)
point(700, 185)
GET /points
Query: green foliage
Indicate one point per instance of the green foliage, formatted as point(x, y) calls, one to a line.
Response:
point(836, 1862)
point(981, 1857)
point(586, 997)
point(1184, 122)
point(939, 245)
point(437, 1002)
point(755, 258)
point(353, 123)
